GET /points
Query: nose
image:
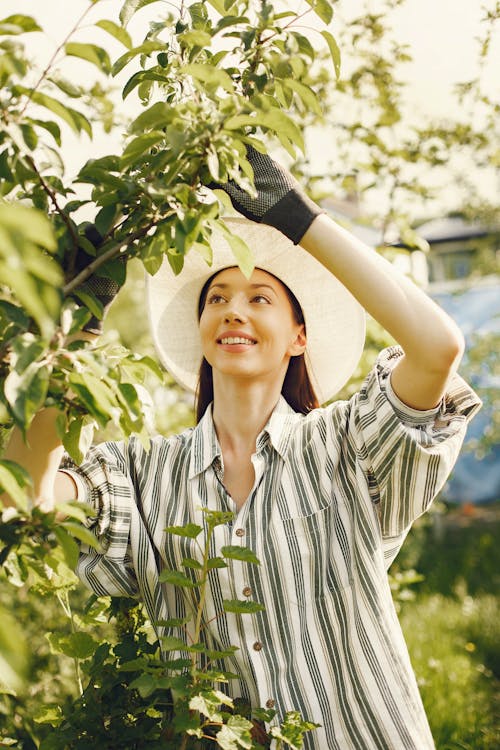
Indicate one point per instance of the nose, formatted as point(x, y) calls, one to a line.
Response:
point(232, 316)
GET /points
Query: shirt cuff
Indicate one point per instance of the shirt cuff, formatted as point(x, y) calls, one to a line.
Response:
point(408, 414)
point(81, 493)
point(459, 400)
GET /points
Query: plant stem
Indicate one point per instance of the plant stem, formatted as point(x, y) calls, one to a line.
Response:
point(63, 599)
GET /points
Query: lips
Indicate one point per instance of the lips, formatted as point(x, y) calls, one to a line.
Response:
point(236, 340)
point(232, 338)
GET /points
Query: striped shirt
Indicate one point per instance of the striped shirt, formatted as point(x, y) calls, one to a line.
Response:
point(335, 494)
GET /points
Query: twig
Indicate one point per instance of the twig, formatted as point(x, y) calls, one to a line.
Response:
point(53, 197)
point(51, 61)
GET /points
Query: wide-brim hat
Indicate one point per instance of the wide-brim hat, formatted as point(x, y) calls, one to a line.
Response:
point(335, 322)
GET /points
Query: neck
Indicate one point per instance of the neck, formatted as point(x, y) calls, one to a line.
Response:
point(240, 411)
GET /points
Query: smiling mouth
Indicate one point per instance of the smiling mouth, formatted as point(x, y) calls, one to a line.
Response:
point(236, 340)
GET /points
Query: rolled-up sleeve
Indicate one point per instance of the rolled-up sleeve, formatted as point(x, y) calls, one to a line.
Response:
point(407, 454)
point(104, 483)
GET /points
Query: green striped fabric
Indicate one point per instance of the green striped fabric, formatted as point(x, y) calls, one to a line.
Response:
point(335, 494)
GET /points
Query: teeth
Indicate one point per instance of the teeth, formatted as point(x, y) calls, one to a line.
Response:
point(236, 340)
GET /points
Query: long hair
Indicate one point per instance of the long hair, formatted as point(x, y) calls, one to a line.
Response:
point(297, 388)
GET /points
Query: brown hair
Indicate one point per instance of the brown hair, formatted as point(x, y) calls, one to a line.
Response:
point(297, 388)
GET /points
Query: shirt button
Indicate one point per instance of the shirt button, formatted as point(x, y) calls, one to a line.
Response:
point(247, 591)
point(270, 703)
point(257, 646)
point(240, 532)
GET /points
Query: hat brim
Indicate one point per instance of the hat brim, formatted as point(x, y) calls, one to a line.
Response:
point(335, 322)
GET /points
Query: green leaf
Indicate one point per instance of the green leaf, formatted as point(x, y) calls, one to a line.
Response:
point(234, 552)
point(171, 643)
point(156, 116)
point(51, 127)
point(292, 730)
point(305, 93)
point(216, 562)
point(305, 46)
point(90, 301)
point(195, 38)
point(190, 530)
point(67, 87)
point(81, 533)
point(30, 136)
point(274, 120)
point(78, 438)
point(141, 145)
point(76, 120)
point(30, 223)
point(143, 49)
point(91, 53)
point(145, 684)
point(176, 578)
point(52, 715)
point(241, 607)
point(78, 510)
point(118, 32)
point(26, 391)
point(323, 9)
point(209, 75)
point(94, 394)
point(76, 645)
point(69, 546)
point(242, 253)
point(130, 7)
point(18, 24)
point(209, 703)
point(235, 734)
point(334, 51)
point(13, 480)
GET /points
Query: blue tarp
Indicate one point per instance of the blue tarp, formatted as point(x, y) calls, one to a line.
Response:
point(477, 312)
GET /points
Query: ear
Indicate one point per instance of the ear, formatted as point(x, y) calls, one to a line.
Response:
point(298, 345)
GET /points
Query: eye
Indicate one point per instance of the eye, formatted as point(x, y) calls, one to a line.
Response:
point(215, 298)
point(261, 299)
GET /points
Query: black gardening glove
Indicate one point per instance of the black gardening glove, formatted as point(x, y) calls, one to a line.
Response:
point(280, 201)
point(104, 289)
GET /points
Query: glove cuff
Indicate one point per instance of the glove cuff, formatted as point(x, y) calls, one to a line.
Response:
point(292, 215)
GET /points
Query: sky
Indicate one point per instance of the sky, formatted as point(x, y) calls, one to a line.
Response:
point(441, 35)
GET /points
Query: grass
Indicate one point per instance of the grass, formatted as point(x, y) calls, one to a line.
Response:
point(454, 650)
point(452, 628)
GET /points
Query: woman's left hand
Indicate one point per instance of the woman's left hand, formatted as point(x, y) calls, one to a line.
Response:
point(280, 201)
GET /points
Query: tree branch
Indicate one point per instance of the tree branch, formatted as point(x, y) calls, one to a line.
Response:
point(102, 259)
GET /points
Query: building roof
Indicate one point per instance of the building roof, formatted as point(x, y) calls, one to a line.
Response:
point(453, 228)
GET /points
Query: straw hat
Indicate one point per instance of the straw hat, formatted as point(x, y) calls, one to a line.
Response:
point(335, 322)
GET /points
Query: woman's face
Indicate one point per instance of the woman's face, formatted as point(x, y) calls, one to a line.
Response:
point(247, 326)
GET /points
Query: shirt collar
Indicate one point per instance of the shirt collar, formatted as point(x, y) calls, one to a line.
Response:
point(205, 446)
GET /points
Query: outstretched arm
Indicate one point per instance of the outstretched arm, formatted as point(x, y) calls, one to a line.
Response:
point(431, 341)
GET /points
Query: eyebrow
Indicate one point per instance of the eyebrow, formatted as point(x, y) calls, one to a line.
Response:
point(252, 286)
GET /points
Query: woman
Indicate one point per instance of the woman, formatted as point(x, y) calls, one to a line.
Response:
point(323, 496)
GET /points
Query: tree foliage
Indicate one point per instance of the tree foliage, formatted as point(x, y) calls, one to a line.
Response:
point(209, 78)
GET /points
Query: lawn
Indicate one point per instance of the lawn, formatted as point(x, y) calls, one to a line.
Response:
point(452, 625)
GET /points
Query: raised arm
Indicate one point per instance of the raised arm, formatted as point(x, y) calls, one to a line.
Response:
point(432, 343)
